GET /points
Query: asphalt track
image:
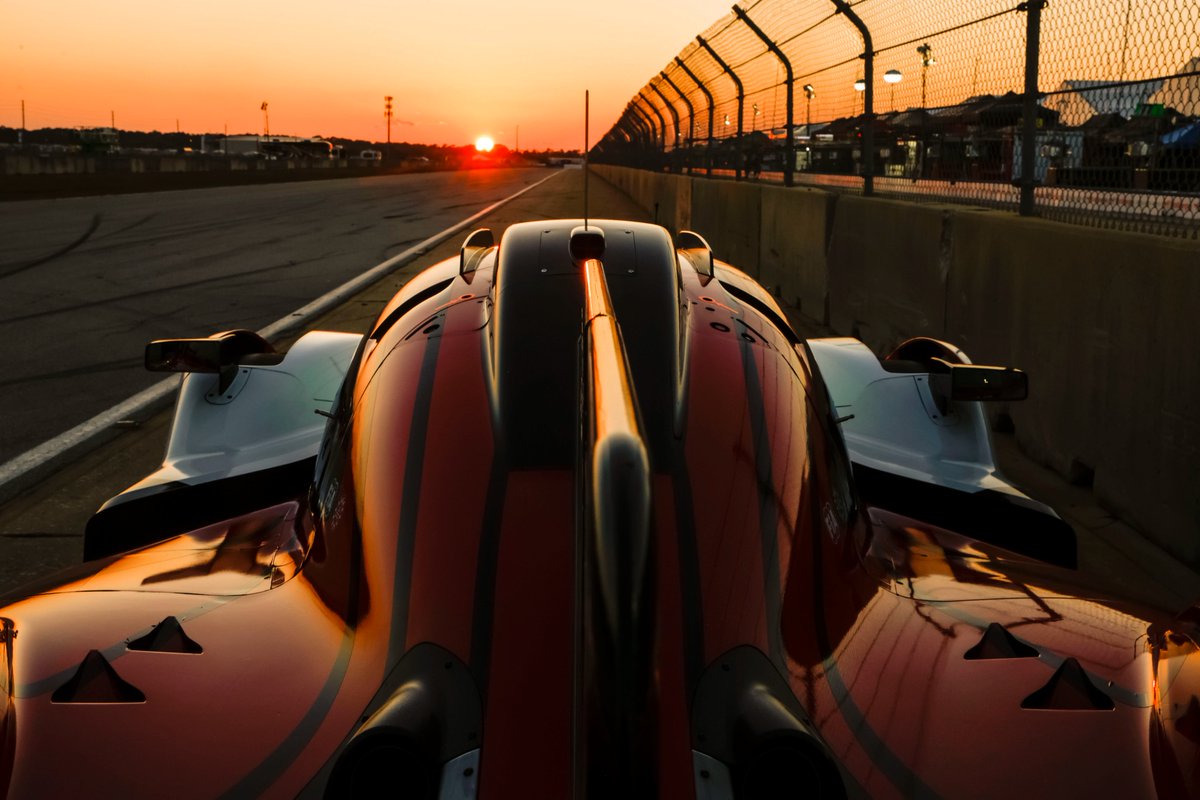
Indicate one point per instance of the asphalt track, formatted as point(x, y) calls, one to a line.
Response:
point(86, 282)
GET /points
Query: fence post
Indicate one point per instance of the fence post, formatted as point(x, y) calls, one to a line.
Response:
point(691, 120)
point(674, 118)
point(1033, 25)
point(868, 125)
point(647, 131)
point(789, 147)
point(630, 128)
point(711, 110)
point(643, 123)
point(741, 98)
point(662, 125)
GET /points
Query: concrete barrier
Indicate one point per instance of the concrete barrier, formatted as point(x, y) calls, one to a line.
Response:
point(13, 164)
point(1102, 321)
point(890, 262)
point(727, 214)
point(793, 241)
point(26, 177)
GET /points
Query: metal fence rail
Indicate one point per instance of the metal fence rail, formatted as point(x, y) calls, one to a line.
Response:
point(1086, 111)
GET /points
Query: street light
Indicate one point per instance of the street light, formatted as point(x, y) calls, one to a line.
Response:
point(861, 86)
point(927, 61)
point(810, 93)
point(893, 76)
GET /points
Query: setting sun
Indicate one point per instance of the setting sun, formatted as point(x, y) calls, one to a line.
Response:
point(484, 144)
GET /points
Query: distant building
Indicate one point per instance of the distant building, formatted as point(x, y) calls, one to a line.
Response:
point(1078, 101)
point(102, 141)
point(278, 146)
point(1181, 92)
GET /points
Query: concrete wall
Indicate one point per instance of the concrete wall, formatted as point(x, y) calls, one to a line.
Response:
point(1102, 321)
point(1105, 324)
point(34, 164)
point(72, 176)
point(793, 262)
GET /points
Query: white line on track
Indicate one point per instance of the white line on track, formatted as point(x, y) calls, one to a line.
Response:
point(39, 462)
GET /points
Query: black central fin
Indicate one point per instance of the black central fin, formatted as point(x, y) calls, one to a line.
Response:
point(616, 545)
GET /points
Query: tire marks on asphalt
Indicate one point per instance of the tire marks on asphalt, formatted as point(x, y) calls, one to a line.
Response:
point(107, 301)
point(7, 270)
point(88, 369)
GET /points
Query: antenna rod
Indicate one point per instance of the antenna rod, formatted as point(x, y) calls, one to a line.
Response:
point(586, 103)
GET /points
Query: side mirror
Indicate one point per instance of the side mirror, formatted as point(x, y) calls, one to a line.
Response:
point(478, 243)
point(696, 250)
point(220, 353)
point(973, 382)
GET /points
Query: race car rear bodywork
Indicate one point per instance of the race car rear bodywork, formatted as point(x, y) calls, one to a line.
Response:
point(581, 522)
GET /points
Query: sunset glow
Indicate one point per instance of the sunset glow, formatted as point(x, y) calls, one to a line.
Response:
point(454, 68)
point(484, 144)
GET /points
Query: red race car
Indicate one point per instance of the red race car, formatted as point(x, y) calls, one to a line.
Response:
point(580, 517)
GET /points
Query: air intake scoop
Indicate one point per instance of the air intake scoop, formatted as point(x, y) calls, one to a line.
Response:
point(166, 637)
point(1069, 689)
point(97, 682)
point(999, 643)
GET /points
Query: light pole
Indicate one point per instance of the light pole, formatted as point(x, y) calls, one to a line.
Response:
point(927, 61)
point(892, 77)
point(860, 86)
point(809, 94)
point(387, 112)
point(266, 120)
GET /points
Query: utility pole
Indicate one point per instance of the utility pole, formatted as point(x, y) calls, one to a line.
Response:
point(21, 135)
point(266, 120)
point(517, 146)
point(387, 112)
point(112, 119)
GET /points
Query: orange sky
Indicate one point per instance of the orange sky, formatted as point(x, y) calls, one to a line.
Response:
point(457, 68)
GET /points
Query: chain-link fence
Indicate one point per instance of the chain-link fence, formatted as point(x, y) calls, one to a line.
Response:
point(1080, 110)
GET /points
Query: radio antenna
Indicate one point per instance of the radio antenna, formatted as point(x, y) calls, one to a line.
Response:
point(586, 103)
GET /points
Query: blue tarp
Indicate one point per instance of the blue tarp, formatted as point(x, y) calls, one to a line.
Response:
point(1187, 136)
